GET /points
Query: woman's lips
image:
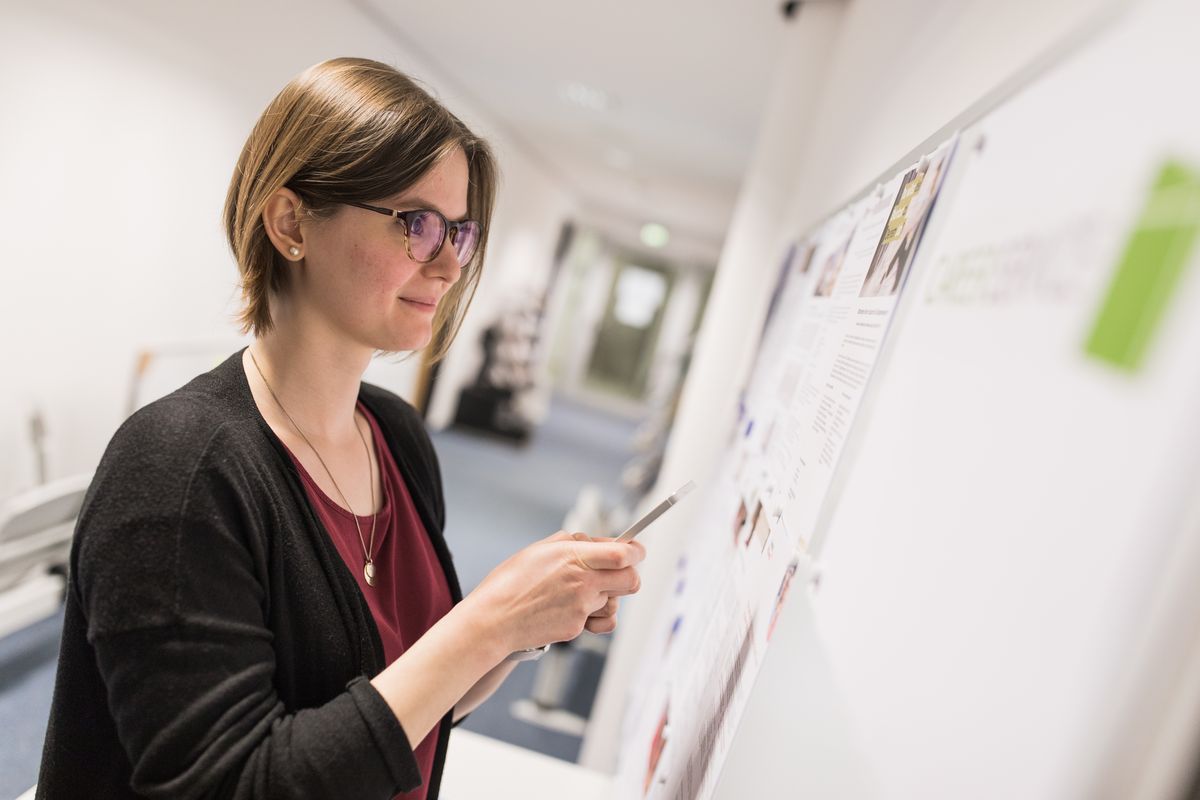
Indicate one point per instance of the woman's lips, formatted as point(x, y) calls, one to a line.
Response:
point(423, 305)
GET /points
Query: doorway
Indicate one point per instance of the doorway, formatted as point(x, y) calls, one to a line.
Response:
point(625, 341)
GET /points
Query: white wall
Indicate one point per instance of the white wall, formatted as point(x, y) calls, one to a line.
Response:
point(675, 337)
point(905, 68)
point(858, 86)
point(122, 123)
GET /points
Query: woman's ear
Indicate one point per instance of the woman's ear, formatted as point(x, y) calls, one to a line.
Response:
point(281, 221)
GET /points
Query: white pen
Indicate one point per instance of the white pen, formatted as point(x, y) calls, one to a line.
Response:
point(655, 513)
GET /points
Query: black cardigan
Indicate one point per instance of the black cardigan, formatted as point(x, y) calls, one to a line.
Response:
point(215, 644)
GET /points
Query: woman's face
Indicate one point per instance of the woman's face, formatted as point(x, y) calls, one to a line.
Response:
point(359, 279)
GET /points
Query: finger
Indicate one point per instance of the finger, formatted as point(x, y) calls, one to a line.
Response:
point(608, 555)
point(618, 582)
point(601, 624)
point(584, 565)
point(608, 610)
point(640, 550)
point(598, 606)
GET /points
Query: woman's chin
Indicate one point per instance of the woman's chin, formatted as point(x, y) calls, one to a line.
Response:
point(412, 341)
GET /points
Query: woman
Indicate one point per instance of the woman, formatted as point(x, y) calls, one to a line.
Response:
point(261, 602)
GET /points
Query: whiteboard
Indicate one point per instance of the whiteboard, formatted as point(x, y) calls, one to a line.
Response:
point(1003, 540)
point(1001, 535)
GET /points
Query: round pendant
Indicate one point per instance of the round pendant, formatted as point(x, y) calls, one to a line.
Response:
point(369, 572)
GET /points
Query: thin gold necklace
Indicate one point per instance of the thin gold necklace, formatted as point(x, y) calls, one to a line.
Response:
point(369, 564)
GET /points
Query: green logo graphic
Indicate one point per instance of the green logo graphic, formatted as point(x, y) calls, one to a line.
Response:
point(1155, 256)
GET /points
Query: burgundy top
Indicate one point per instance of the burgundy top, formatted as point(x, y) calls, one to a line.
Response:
point(410, 592)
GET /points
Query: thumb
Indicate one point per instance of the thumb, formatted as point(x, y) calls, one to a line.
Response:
point(563, 536)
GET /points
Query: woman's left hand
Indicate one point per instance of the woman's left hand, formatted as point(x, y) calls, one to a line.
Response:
point(603, 620)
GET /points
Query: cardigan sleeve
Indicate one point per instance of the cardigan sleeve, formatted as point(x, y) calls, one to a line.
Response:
point(166, 574)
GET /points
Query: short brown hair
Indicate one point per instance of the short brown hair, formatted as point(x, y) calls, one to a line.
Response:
point(348, 130)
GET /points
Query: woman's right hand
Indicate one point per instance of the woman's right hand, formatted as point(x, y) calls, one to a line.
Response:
point(547, 592)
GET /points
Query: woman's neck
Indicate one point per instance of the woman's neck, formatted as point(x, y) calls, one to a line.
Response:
point(315, 375)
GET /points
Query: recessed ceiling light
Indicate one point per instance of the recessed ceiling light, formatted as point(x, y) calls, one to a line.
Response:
point(588, 97)
point(655, 235)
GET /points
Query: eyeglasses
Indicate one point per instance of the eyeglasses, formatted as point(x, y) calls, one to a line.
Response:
point(426, 230)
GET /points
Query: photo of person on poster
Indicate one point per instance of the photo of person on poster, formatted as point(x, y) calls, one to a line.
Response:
point(830, 270)
point(905, 226)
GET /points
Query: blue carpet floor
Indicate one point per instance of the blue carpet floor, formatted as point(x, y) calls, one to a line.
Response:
point(27, 660)
point(499, 499)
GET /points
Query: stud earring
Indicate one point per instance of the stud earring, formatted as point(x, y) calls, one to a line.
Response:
point(295, 251)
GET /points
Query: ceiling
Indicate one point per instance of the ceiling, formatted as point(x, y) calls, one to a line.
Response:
point(683, 85)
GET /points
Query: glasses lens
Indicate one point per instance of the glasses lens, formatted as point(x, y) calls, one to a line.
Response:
point(466, 240)
point(426, 232)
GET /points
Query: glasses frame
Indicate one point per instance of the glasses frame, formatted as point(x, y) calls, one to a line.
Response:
point(451, 228)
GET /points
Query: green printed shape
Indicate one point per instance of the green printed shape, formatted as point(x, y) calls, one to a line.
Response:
point(1148, 273)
